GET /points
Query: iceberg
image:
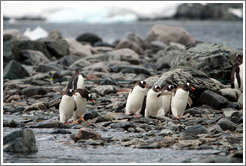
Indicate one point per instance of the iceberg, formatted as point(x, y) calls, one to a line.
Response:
point(37, 33)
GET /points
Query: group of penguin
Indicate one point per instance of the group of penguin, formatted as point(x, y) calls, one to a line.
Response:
point(156, 102)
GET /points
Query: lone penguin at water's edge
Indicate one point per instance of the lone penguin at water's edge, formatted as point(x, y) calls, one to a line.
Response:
point(67, 106)
point(81, 97)
point(135, 98)
point(237, 73)
point(180, 99)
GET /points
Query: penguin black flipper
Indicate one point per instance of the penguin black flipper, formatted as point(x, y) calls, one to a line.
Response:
point(143, 106)
point(238, 77)
point(75, 106)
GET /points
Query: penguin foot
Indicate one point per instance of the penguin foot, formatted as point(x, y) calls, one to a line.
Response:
point(67, 123)
point(137, 115)
point(83, 120)
point(75, 121)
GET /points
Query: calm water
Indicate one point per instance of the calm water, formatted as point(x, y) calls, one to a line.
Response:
point(229, 33)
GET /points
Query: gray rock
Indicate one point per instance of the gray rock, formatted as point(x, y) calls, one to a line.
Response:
point(182, 75)
point(130, 69)
point(194, 111)
point(77, 48)
point(32, 57)
point(54, 35)
point(137, 39)
point(57, 49)
point(164, 58)
point(230, 94)
point(81, 63)
point(126, 43)
point(85, 133)
point(124, 54)
point(49, 124)
point(240, 101)
point(99, 67)
point(158, 45)
point(104, 89)
point(167, 34)
point(14, 70)
point(13, 34)
point(45, 68)
point(213, 59)
point(226, 124)
point(31, 91)
point(90, 114)
point(212, 99)
point(195, 130)
point(22, 141)
point(67, 61)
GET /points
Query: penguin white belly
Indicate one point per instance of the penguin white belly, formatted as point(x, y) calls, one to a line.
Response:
point(179, 102)
point(241, 77)
point(80, 83)
point(66, 108)
point(153, 105)
point(81, 107)
point(166, 104)
point(134, 102)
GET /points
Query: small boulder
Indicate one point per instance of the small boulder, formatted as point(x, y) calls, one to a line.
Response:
point(31, 91)
point(126, 43)
point(88, 37)
point(103, 90)
point(77, 48)
point(32, 57)
point(22, 141)
point(14, 70)
point(230, 94)
point(54, 35)
point(167, 34)
point(85, 133)
point(212, 99)
point(226, 124)
point(195, 130)
point(100, 67)
point(45, 68)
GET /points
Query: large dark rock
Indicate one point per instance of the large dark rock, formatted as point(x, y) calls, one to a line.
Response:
point(88, 37)
point(218, 11)
point(31, 91)
point(32, 57)
point(213, 59)
point(226, 124)
point(14, 70)
point(85, 133)
point(57, 48)
point(167, 34)
point(181, 75)
point(212, 99)
point(22, 141)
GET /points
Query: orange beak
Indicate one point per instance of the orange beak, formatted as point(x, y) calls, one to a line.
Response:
point(192, 88)
point(92, 101)
point(146, 86)
point(74, 94)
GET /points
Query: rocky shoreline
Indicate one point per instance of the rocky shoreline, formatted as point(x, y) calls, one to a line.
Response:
point(36, 72)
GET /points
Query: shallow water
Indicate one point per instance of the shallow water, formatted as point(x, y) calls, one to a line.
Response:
point(229, 33)
point(59, 148)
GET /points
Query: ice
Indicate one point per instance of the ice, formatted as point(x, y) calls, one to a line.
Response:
point(37, 33)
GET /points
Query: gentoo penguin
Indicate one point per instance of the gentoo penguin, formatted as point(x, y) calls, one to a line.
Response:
point(81, 97)
point(77, 81)
point(154, 102)
point(180, 99)
point(135, 98)
point(166, 99)
point(67, 106)
point(237, 73)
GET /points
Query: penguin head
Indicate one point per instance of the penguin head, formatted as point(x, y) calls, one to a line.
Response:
point(170, 88)
point(239, 57)
point(156, 88)
point(69, 92)
point(143, 84)
point(84, 94)
point(188, 86)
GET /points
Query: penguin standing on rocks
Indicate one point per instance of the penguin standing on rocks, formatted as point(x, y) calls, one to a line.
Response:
point(81, 97)
point(166, 99)
point(180, 99)
point(154, 102)
point(77, 81)
point(67, 106)
point(237, 73)
point(135, 98)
